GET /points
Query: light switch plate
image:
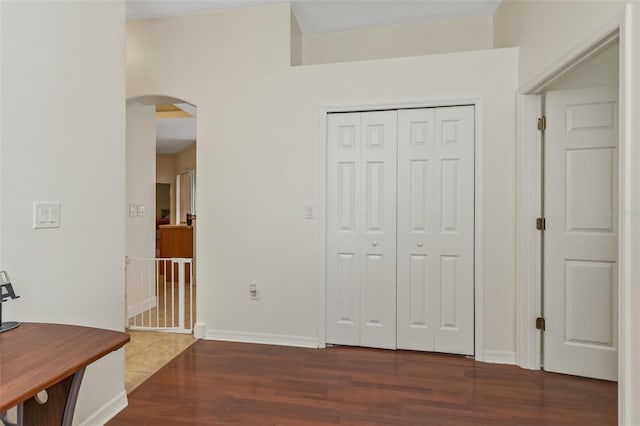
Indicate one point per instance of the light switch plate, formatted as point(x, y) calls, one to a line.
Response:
point(308, 211)
point(46, 214)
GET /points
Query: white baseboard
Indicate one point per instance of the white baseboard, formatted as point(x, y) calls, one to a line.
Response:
point(140, 307)
point(493, 357)
point(108, 411)
point(500, 357)
point(262, 338)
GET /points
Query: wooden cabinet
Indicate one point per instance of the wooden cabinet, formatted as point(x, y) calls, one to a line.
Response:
point(176, 241)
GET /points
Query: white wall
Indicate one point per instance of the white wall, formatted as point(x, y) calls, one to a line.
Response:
point(601, 70)
point(186, 159)
point(629, 369)
point(259, 155)
point(62, 139)
point(296, 41)
point(546, 31)
point(422, 38)
point(141, 180)
point(165, 168)
point(140, 231)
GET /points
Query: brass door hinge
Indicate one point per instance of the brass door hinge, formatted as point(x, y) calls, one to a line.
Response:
point(541, 224)
point(542, 123)
point(540, 325)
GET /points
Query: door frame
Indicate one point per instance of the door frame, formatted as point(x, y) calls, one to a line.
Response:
point(623, 28)
point(478, 103)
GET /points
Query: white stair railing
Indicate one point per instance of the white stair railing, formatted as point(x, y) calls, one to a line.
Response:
point(160, 294)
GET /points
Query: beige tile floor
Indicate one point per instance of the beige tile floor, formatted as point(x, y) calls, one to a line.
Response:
point(149, 351)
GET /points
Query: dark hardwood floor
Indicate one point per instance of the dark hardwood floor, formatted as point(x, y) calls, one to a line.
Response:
point(219, 383)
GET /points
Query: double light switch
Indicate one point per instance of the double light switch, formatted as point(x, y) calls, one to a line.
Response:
point(46, 215)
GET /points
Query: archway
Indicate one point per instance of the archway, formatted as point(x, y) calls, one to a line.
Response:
point(159, 232)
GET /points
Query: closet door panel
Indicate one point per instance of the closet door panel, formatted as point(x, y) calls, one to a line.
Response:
point(435, 229)
point(344, 255)
point(378, 215)
point(416, 228)
point(454, 278)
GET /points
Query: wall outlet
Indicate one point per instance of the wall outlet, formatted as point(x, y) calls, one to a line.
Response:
point(253, 291)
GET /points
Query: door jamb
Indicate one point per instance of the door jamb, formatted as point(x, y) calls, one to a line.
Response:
point(623, 28)
point(528, 238)
point(478, 103)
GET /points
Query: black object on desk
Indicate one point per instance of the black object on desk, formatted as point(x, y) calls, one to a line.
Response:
point(6, 293)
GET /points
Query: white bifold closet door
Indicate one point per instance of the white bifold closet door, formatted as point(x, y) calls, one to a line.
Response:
point(436, 229)
point(361, 229)
point(408, 286)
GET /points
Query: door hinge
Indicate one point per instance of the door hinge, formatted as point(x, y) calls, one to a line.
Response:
point(542, 123)
point(541, 224)
point(540, 325)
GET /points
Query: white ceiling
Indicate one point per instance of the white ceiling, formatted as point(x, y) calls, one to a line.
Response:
point(316, 16)
point(174, 134)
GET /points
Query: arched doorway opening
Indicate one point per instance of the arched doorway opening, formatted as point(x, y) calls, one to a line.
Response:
point(160, 218)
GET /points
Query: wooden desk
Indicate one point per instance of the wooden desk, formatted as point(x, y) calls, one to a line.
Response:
point(52, 357)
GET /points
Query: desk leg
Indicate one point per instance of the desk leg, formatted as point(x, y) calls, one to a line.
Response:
point(72, 398)
point(59, 407)
point(4, 419)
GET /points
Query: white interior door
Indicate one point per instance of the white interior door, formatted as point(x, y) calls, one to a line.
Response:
point(361, 225)
point(436, 229)
point(581, 237)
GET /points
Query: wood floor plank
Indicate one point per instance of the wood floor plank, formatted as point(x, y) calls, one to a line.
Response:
point(223, 383)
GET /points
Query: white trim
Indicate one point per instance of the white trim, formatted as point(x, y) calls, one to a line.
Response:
point(528, 239)
point(322, 227)
point(175, 330)
point(629, 203)
point(478, 249)
point(178, 218)
point(261, 338)
point(108, 411)
point(500, 357)
point(478, 102)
